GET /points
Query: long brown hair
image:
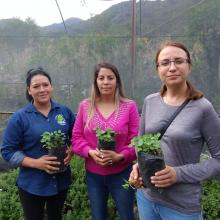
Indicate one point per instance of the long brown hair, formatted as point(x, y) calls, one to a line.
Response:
point(95, 93)
point(193, 92)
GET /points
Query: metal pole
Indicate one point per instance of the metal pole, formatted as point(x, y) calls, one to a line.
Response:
point(133, 47)
point(140, 8)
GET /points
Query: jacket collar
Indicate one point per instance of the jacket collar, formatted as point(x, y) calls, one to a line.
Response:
point(31, 108)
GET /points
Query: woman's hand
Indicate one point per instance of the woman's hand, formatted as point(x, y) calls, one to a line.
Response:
point(68, 157)
point(135, 179)
point(164, 178)
point(48, 164)
point(111, 157)
point(96, 156)
point(105, 157)
point(45, 163)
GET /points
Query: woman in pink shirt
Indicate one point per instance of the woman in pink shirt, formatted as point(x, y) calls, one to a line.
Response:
point(106, 169)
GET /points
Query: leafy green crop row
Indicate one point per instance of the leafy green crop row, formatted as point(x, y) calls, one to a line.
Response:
point(77, 204)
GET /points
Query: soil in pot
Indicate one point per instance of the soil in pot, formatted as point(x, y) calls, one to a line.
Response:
point(148, 165)
point(104, 145)
point(60, 153)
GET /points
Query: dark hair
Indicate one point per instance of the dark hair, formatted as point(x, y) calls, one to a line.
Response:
point(193, 92)
point(30, 74)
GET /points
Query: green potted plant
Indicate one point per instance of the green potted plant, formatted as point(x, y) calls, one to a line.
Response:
point(149, 156)
point(127, 184)
point(55, 143)
point(106, 138)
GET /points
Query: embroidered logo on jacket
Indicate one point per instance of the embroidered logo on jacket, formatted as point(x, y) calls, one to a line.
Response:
point(60, 119)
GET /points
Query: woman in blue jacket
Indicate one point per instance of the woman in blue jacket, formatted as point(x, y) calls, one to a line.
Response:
point(38, 184)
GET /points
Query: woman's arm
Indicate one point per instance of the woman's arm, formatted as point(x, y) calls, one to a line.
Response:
point(79, 144)
point(210, 132)
point(45, 163)
point(133, 126)
point(12, 140)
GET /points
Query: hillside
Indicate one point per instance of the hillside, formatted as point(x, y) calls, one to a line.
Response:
point(70, 57)
point(155, 16)
point(162, 16)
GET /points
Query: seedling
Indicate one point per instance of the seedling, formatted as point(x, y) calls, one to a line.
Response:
point(127, 184)
point(149, 156)
point(56, 144)
point(53, 139)
point(106, 138)
point(106, 135)
point(148, 143)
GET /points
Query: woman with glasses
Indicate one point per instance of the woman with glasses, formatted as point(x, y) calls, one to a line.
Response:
point(106, 170)
point(182, 143)
point(38, 184)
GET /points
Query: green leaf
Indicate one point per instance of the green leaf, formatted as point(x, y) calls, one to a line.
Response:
point(105, 135)
point(148, 143)
point(53, 139)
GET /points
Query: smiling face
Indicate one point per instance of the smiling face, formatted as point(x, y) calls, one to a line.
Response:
point(176, 71)
point(106, 82)
point(40, 89)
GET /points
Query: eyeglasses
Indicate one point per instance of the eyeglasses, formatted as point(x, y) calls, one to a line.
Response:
point(177, 62)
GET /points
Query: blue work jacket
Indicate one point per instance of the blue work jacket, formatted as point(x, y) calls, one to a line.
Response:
point(22, 138)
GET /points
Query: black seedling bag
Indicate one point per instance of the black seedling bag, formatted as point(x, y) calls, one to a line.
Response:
point(148, 166)
point(60, 153)
point(104, 145)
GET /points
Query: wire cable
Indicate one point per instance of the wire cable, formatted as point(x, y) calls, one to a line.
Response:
point(171, 19)
point(61, 16)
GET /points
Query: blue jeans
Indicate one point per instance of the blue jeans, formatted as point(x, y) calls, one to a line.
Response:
point(99, 187)
point(149, 210)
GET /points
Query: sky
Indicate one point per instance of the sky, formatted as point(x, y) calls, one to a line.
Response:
point(46, 12)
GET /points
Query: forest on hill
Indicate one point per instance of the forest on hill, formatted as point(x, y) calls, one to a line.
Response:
point(70, 56)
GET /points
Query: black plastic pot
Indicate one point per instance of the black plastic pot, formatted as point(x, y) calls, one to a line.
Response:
point(104, 145)
point(148, 165)
point(60, 153)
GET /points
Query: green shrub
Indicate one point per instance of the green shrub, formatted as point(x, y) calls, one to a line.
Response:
point(211, 199)
point(10, 207)
point(77, 203)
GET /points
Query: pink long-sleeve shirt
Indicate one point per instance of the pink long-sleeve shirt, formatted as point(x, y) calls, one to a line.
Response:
point(125, 123)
